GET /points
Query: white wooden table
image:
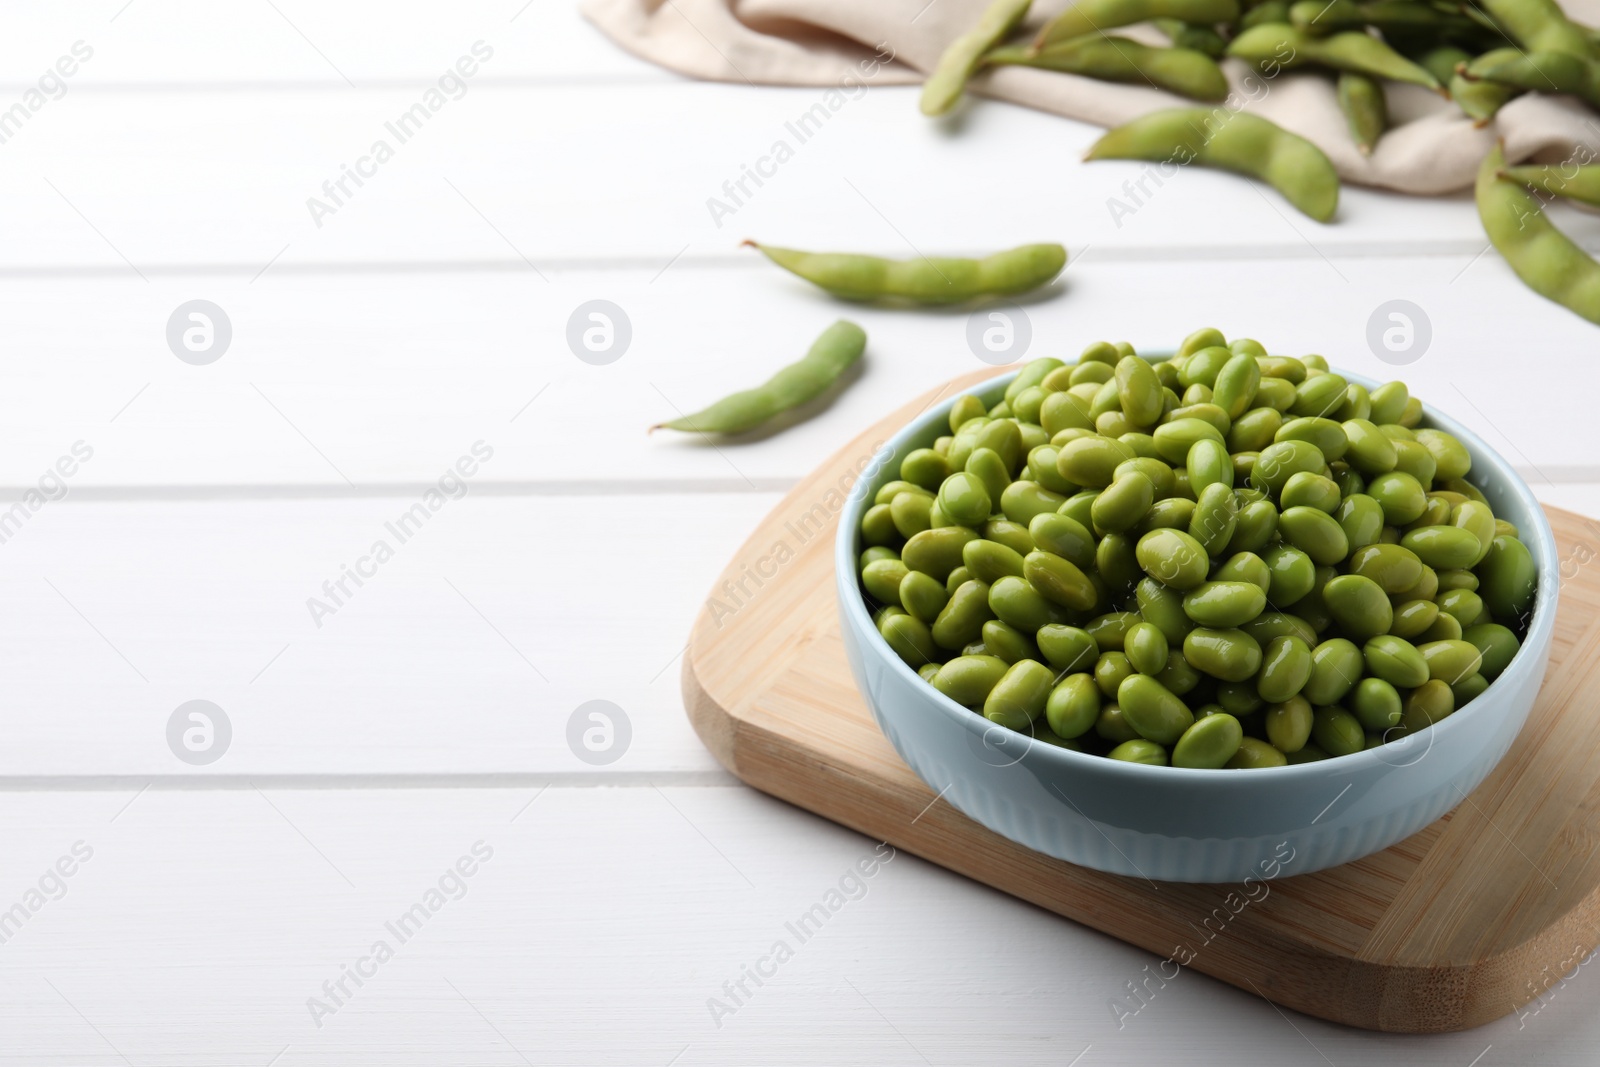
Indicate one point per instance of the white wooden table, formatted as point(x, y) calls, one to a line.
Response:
point(417, 725)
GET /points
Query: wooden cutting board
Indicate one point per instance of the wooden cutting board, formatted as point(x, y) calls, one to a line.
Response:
point(1460, 924)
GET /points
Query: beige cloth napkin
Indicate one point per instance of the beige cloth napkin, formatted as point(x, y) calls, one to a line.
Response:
point(1431, 148)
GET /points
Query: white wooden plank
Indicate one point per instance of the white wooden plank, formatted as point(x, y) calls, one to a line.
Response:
point(607, 172)
point(384, 379)
point(162, 43)
point(465, 652)
point(595, 933)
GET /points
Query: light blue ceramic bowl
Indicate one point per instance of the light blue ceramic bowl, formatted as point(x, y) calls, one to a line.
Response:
point(1177, 824)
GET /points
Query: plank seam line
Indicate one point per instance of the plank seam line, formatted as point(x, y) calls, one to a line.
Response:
point(178, 783)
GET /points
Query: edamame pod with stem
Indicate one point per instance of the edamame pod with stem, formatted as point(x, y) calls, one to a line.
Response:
point(935, 280)
point(1365, 110)
point(1237, 141)
point(949, 77)
point(1545, 259)
point(1546, 72)
point(1122, 59)
point(1580, 183)
point(830, 356)
point(1275, 46)
point(1539, 26)
point(1097, 16)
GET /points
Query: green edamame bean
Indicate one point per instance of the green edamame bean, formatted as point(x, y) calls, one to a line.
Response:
point(1254, 430)
point(1236, 385)
point(1109, 671)
point(1210, 743)
point(1395, 568)
point(1123, 503)
point(876, 552)
point(1231, 655)
point(1223, 605)
point(961, 621)
point(965, 499)
point(1255, 527)
point(893, 489)
point(1161, 476)
point(1273, 624)
point(1013, 535)
point(1019, 696)
point(1361, 518)
point(910, 639)
point(1254, 754)
point(1178, 676)
point(1337, 732)
point(877, 526)
point(1446, 627)
point(965, 409)
point(1067, 649)
point(1110, 630)
point(1366, 112)
point(1163, 608)
point(1478, 519)
point(1396, 661)
point(1368, 449)
point(1173, 558)
point(1245, 143)
point(1281, 460)
point(1388, 403)
point(1245, 567)
point(989, 560)
point(1023, 500)
point(962, 56)
point(1063, 536)
point(1359, 605)
point(1336, 666)
point(1058, 580)
point(882, 580)
point(1117, 563)
point(1112, 727)
point(1411, 458)
point(1006, 641)
point(1174, 439)
point(986, 465)
point(1315, 533)
point(970, 679)
point(1092, 461)
point(1412, 618)
point(1238, 699)
point(1312, 491)
point(1328, 436)
point(1507, 575)
point(1495, 643)
point(1451, 661)
point(1546, 260)
point(1020, 602)
point(1151, 709)
point(1468, 689)
point(1042, 469)
point(1427, 704)
point(1278, 394)
point(1443, 547)
point(937, 552)
point(1146, 648)
point(1291, 574)
point(925, 468)
point(1400, 495)
point(911, 513)
point(1376, 704)
point(1073, 706)
point(1285, 668)
point(1287, 724)
point(1450, 455)
point(1215, 518)
point(923, 596)
point(1064, 411)
point(1138, 750)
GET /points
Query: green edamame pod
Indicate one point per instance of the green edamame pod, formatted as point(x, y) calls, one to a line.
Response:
point(1275, 46)
point(1365, 110)
point(1122, 59)
point(1244, 143)
point(1200, 38)
point(830, 356)
point(1539, 26)
point(1551, 72)
point(961, 58)
point(1478, 99)
point(1096, 16)
point(1545, 259)
point(1580, 183)
point(925, 280)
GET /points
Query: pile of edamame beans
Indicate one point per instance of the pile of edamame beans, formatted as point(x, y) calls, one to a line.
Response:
point(1225, 559)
